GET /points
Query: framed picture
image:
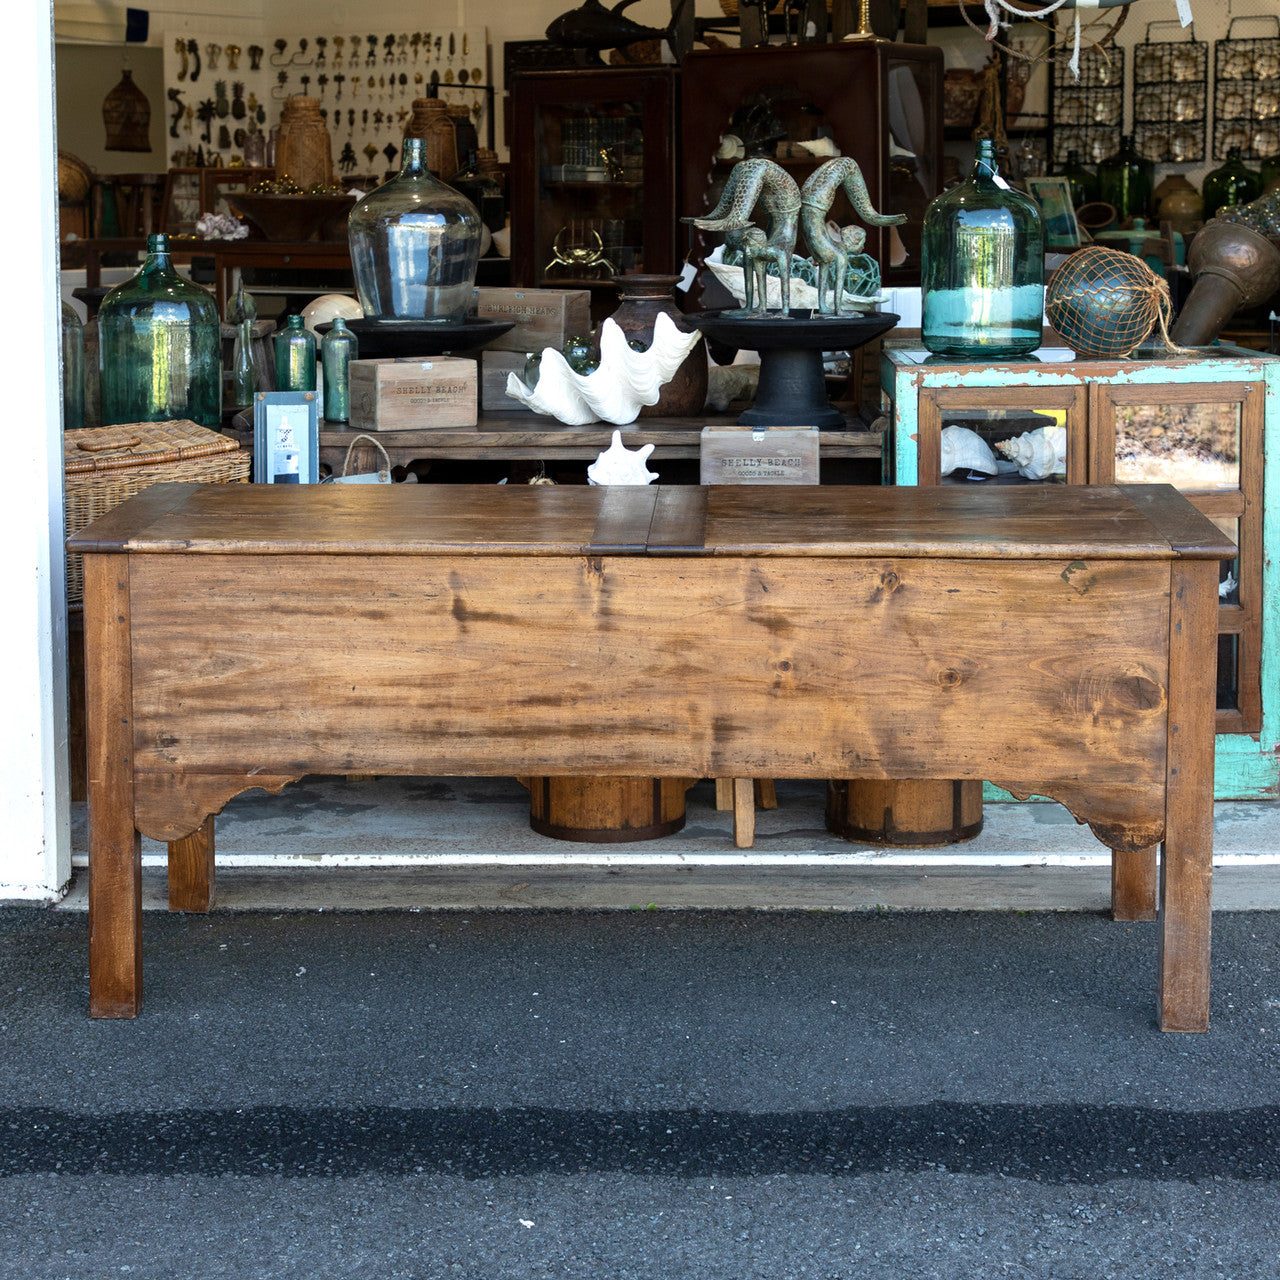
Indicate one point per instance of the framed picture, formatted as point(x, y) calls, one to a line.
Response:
point(1061, 230)
point(286, 437)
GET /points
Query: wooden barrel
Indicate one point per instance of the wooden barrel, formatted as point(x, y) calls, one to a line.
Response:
point(606, 810)
point(304, 151)
point(906, 813)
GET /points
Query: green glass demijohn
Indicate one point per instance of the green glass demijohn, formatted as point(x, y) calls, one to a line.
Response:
point(295, 357)
point(338, 348)
point(1084, 182)
point(160, 346)
point(415, 246)
point(1124, 181)
point(982, 269)
point(72, 369)
point(1234, 183)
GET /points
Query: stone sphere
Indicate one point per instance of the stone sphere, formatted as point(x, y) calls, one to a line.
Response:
point(1104, 302)
point(323, 309)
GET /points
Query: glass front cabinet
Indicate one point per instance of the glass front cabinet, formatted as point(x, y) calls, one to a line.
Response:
point(593, 155)
point(1197, 424)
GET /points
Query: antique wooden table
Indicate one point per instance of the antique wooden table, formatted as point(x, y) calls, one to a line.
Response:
point(1054, 640)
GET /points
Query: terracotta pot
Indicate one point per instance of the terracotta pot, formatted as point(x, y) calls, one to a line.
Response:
point(1179, 203)
point(643, 297)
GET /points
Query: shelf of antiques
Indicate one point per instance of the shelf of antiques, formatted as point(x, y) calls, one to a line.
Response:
point(593, 176)
point(1194, 421)
point(877, 103)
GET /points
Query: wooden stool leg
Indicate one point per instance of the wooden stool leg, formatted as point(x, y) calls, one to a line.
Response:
point(1133, 884)
point(766, 794)
point(724, 794)
point(191, 870)
point(744, 812)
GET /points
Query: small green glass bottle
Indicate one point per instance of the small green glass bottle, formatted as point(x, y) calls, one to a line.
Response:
point(1234, 183)
point(160, 346)
point(338, 348)
point(1124, 181)
point(72, 369)
point(295, 357)
point(982, 267)
point(244, 373)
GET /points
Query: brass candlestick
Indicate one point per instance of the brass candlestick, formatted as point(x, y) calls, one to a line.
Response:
point(864, 31)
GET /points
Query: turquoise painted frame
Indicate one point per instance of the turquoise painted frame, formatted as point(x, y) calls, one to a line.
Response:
point(1246, 765)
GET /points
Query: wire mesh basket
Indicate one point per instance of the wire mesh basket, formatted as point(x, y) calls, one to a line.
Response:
point(1246, 95)
point(1170, 91)
point(1088, 115)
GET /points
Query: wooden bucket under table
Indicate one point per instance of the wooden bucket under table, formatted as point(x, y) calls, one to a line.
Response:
point(907, 813)
point(606, 810)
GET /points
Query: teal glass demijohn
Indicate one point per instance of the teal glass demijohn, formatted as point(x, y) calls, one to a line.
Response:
point(338, 348)
point(72, 369)
point(415, 246)
point(295, 357)
point(982, 268)
point(160, 346)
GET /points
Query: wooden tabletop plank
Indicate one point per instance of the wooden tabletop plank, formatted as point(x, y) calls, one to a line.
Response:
point(112, 531)
point(679, 521)
point(1033, 521)
point(1044, 521)
point(1189, 532)
point(622, 527)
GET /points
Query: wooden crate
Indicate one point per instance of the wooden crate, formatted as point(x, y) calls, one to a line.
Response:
point(544, 317)
point(413, 395)
point(495, 367)
point(760, 455)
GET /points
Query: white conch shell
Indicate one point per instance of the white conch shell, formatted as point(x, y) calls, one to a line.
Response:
point(620, 465)
point(624, 383)
point(965, 450)
point(1038, 453)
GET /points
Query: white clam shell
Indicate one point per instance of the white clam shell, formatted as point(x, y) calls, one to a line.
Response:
point(624, 383)
point(620, 465)
point(965, 450)
point(1039, 453)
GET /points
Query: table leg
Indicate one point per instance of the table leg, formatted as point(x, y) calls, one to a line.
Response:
point(191, 870)
point(1186, 867)
point(744, 812)
point(115, 852)
point(1134, 878)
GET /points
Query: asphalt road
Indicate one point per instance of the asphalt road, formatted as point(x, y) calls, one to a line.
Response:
point(651, 1095)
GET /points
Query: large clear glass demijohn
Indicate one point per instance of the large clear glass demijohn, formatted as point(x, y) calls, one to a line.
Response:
point(982, 274)
point(415, 244)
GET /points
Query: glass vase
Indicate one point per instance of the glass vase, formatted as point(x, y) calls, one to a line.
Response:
point(1124, 181)
point(295, 357)
point(982, 268)
point(338, 348)
point(1084, 182)
point(1233, 184)
point(160, 347)
point(415, 244)
point(72, 369)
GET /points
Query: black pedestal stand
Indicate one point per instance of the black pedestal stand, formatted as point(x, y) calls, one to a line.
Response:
point(424, 338)
point(792, 391)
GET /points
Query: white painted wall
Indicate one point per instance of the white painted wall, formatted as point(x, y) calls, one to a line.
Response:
point(35, 858)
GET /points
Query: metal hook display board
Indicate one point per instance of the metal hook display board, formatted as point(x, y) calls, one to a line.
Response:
point(1088, 115)
point(1170, 88)
point(1246, 95)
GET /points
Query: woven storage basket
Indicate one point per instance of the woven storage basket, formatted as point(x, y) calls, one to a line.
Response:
point(106, 465)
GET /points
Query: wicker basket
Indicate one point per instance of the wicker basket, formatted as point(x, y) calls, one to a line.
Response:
point(106, 465)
